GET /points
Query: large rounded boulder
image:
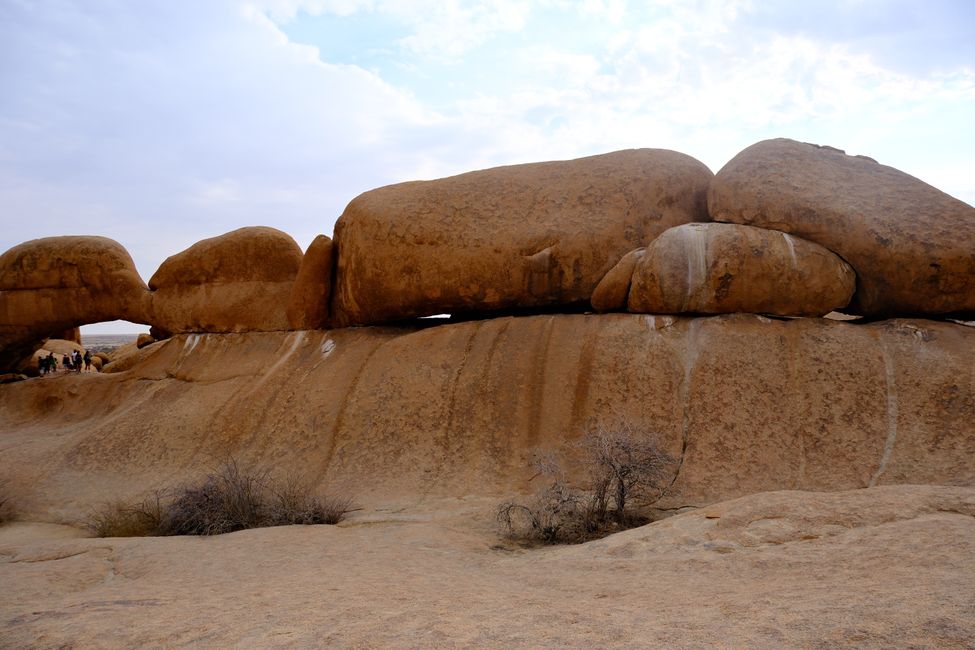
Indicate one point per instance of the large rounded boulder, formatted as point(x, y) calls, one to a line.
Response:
point(237, 282)
point(912, 246)
point(513, 237)
point(718, 268)
point(54, 284)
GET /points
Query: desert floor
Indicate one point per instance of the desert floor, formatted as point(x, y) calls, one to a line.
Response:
point(875, 568)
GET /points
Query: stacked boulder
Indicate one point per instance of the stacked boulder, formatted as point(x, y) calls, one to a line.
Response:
point(785, 228)
point(520, 237)
point(911, 245)
point(716, 268)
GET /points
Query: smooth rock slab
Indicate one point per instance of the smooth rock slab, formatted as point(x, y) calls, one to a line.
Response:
point(911, 245)
point(522, 236)
point(717, 268)
point(749, 403)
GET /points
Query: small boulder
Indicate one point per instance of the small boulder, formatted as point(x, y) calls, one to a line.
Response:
point(518, 237)
point(912, 246)
point(611, 292)
point(310, 294)
point(143, 340)
point(716, 268)
point(238, 282)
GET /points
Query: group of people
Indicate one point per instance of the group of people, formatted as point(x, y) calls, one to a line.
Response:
point(74, 361)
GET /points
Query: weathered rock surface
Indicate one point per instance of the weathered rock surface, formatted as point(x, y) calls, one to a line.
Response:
point(886, 567)
point(910, 244)
point(237, 282)
point(311, 293)
point(54, 284)
point(749, 404)
point(611, 292)
point(718, 268)
point(510, 237)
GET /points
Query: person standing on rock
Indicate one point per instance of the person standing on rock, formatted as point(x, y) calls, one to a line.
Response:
point(76, 360)
point(52, 363)
point(87, 361)
point(41, 365)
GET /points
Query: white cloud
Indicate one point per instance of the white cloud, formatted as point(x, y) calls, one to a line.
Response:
point(160, 126)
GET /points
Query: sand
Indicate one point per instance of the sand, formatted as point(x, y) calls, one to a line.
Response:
point(884, 567)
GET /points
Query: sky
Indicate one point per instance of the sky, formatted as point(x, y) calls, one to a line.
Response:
point(160, 123)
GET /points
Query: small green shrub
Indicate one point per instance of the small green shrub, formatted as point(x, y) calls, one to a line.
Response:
point(226, 500)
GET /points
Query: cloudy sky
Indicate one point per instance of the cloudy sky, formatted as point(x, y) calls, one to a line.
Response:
point(160, 123)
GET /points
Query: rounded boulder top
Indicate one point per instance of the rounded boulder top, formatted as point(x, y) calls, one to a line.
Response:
point(250, 254)
point(911, 245)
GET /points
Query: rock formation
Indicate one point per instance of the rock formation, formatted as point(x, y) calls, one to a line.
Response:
point(750, 404)
point(510, 237)
point(238, 282)
point(611, 292)
point(910, 244)
point(716, 268)
point(55, 284)
point(311, 293)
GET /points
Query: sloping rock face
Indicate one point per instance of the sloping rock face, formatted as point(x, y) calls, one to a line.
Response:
point(747, 403)
point(54, 284)
point(238, 282)
point(910, 244)
point(717, 268)
point(311, 293)
point(509, 237)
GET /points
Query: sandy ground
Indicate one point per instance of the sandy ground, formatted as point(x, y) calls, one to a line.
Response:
point(888, 567)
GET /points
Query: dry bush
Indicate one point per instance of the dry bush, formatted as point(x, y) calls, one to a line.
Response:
point(624, 467)
point(118, 519)
point(6, 505)
point(226, 500)
point(293, 502)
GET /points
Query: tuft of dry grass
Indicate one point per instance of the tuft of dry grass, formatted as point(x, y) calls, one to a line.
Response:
point(119, 519)
point(228, 499)
point(6, 504)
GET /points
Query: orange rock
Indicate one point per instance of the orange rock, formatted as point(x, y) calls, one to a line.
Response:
point(308, 307)
point(611, 292)
point(910, 244)
point(238, 282)
point(510, 237)
point(55, 284)
point(718, 268)
point(749, 403)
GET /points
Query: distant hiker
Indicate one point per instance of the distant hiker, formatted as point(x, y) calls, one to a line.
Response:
point(41, 365)
point(66, 362)
point(87, 361)
point(52, 363)
point(76, 360)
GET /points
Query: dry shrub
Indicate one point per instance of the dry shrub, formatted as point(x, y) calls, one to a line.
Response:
point(118, 519)
point(226, 500)
point(6, 505)
point(625, 470)
point(294, 503)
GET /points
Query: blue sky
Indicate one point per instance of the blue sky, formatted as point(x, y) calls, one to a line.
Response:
point(161, 123)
